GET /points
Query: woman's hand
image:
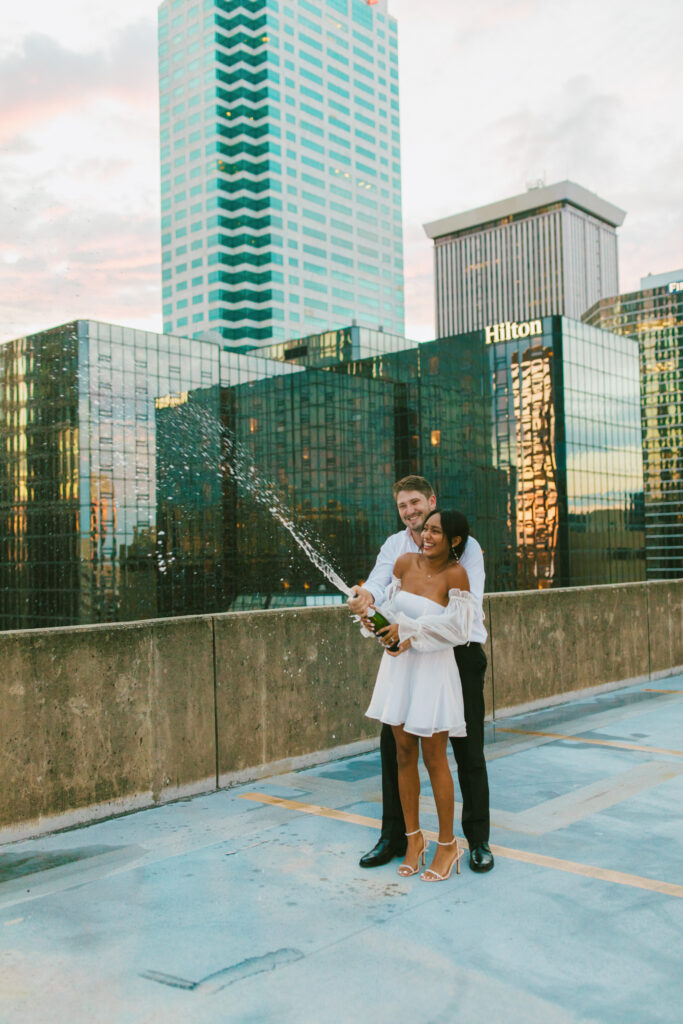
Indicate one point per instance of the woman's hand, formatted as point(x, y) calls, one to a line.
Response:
point(389, 637)
point(401, 648)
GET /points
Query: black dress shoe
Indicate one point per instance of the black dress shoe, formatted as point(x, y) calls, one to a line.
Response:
point(481, 858)
point(385, 851)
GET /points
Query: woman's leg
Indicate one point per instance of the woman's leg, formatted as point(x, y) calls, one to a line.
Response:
point(434, 752)
point(407, 752)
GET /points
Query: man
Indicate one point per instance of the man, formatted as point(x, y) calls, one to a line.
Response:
point(414, 500)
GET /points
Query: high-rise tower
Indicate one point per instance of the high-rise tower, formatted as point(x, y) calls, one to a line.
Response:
point(654, 317)
point(552, 250)
point(280, 168)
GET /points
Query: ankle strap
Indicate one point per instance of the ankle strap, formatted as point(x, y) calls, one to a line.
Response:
point(453, 840)
point(417, 830)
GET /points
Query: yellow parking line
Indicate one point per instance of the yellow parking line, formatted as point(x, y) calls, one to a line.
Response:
point(649, 690)
point(598, 743)
point(587, 870)
point(321, 812)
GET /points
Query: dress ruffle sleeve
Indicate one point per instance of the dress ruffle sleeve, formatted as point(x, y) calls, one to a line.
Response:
point(451, 628)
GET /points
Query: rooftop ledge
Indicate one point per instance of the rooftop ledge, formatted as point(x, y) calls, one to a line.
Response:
point(562, 192)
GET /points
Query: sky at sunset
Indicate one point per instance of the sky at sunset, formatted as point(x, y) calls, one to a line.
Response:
point(494, 94)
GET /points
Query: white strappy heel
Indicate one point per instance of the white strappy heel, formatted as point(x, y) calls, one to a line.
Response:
point(405, 870)
point(430, 875)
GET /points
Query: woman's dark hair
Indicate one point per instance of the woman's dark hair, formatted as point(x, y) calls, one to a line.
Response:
point(453, 524)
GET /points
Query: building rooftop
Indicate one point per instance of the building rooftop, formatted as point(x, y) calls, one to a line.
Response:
point(535, 199)
point(659, 280)
point(249, 905)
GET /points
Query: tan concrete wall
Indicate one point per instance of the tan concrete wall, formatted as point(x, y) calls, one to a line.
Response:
point(94, 714)
point(488, 683)
point(549, 642)
point(665, 607)
point(289, 683)
point(146, 711)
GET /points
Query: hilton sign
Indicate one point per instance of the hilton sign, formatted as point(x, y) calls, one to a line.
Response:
point(511, 331)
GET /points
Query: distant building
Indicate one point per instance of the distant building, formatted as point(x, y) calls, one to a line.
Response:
point(343, 345)
point(551, 250)
point(653, 317)
point(280, 168)
point(673, 278)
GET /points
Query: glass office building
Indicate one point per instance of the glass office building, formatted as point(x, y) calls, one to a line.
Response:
point(121, 496)
point(137, 469)
point(653, 317)
point(280, 168)
point(532, 429)
point(343, 345)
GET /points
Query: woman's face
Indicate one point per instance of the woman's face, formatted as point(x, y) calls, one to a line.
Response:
point(435, 543)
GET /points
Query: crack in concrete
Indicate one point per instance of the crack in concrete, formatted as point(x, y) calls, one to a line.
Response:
point(228, 975)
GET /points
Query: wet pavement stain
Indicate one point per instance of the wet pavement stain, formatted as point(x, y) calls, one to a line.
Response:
point(353, 772)
point(19, 865)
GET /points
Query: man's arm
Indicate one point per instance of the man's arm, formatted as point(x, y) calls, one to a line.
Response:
point(372, 591)
point(472, 561)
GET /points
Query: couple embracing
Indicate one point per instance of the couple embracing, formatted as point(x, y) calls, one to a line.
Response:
point(428, 582)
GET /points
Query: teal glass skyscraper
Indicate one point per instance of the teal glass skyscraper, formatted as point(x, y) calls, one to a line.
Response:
point(280, 168)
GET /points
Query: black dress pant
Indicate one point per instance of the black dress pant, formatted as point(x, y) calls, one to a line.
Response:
point(468, 751)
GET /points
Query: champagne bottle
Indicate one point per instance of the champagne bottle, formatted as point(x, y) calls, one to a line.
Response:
point(379, 622)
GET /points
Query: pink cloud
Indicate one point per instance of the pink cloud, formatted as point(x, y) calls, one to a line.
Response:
point(44, 79)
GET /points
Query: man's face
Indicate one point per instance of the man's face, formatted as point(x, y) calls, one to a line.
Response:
point(413, 507)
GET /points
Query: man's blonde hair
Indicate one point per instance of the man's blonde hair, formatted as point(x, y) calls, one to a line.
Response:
point(413, 483)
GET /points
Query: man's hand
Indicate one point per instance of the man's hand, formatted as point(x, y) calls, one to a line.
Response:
point(360, 600)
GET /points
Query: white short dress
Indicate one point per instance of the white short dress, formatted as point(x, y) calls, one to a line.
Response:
point(420, 689)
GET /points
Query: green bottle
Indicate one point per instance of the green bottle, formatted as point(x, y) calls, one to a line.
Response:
point(379, 622)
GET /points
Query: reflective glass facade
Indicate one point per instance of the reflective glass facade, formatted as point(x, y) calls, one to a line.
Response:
point(341, 346)
point(537, 438)
point(120, 498)
point(280, 168)
point(653, 317)
point(116, 501)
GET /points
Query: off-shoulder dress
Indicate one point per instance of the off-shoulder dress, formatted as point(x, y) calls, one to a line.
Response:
point(420, 689)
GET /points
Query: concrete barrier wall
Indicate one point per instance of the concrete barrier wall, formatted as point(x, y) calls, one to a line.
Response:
point(545, 643)
point(92, 716)
point(665, 617)
point(289, 683)
point(98, 719)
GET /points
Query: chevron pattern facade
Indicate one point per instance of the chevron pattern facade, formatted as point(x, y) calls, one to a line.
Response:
point(280, 168)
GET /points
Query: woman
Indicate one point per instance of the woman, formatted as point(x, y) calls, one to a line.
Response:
point(418, 689)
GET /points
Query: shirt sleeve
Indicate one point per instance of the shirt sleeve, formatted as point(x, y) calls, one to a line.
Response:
point(380, 577)
point(472, 562)
point(451, 628)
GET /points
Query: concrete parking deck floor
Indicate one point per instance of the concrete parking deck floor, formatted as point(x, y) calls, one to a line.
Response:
point(248, 905)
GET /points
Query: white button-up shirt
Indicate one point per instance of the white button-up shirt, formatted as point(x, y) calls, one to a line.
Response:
point(402, 543)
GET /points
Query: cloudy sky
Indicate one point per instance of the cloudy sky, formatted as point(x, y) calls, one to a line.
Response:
point(494, 94)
